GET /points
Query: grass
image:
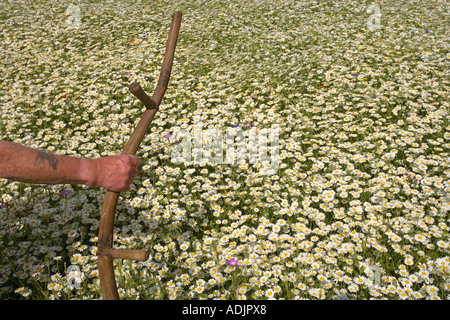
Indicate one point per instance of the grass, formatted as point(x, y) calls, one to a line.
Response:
point(358, 208)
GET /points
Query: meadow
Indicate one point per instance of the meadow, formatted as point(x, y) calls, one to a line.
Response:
point(359, 207)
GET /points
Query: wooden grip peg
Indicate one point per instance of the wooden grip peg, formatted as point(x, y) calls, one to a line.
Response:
point(139, 93)
point(138, 255)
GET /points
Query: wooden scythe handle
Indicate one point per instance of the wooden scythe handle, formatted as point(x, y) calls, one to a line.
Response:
point(106, 253)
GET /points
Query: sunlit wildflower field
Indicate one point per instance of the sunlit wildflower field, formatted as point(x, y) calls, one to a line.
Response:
point(359, 207)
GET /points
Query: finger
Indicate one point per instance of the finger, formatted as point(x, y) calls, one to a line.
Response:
point(132, 160)
point(135, 160)
point(125, 189)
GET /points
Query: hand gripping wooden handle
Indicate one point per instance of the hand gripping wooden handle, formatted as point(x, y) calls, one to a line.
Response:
point(106, 253)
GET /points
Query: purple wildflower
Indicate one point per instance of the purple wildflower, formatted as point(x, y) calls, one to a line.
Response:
point(66, 192)
point(232, 262)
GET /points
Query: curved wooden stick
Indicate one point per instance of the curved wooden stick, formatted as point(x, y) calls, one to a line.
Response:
point(106, 253)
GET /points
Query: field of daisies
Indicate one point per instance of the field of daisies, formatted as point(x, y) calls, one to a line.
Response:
point(358, 208)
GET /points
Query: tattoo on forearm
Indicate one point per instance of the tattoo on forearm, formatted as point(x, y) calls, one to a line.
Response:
point(43, 157)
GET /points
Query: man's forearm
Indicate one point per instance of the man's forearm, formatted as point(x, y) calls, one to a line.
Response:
point(29, 165)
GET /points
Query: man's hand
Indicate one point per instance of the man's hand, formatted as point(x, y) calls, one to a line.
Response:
point(114, 173)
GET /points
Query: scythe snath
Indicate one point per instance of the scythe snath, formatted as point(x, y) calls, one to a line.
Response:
point(106, 253)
